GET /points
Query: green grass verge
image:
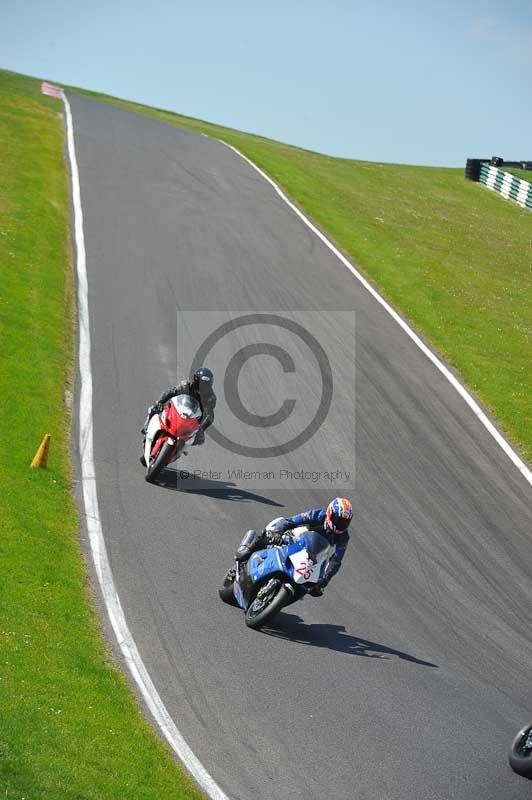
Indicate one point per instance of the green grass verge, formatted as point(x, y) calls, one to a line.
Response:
point(70, 728)
point(454, 258)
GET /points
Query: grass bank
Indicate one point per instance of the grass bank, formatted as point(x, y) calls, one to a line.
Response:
point(70, 729)
point(451, 256)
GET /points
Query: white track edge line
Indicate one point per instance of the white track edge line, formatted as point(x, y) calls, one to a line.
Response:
point(462, 391)
point(90, 497)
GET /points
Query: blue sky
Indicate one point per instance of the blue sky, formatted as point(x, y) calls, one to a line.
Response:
point(404, 82)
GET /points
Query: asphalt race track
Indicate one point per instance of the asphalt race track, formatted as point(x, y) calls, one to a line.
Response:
point(410, 676)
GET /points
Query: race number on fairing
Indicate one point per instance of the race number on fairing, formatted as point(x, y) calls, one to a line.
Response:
point(305, 569)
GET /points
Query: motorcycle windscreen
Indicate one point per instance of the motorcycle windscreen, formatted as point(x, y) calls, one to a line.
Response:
point(186, 406)
point(309, 557)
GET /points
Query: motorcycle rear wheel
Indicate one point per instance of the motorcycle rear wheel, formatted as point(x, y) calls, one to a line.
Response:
point(520, 755)
point(159, 463)
point(269, 600)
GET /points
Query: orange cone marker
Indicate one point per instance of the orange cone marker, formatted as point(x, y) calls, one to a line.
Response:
point(41, 456)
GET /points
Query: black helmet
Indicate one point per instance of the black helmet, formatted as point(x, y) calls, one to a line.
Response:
point(203, 378)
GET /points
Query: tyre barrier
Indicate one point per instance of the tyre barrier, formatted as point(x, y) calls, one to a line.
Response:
point(511, 187)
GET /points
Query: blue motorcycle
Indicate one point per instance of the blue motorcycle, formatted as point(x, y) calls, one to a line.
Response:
point(520, 755)
point(277, 576)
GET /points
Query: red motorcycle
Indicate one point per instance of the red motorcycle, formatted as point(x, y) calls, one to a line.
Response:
point(170, 433)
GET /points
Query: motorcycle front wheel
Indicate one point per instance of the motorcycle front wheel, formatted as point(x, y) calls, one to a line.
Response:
point(160, 461)
point(269, 600)
point(520, 755)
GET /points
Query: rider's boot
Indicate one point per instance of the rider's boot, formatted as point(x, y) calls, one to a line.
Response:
point(199, 438)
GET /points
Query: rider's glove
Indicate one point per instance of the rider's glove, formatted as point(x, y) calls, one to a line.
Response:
point(157, 408)
point(273, 538)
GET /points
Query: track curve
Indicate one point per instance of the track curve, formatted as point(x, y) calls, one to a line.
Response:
point(409, 677)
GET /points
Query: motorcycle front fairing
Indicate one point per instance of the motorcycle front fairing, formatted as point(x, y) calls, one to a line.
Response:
point(308, 558)
point(260, 565)
point(178, 420)
point(154, 426)
point(182, 418)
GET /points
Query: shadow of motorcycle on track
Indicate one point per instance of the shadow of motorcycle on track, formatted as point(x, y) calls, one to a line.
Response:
point(334, 637)
point(186, 482)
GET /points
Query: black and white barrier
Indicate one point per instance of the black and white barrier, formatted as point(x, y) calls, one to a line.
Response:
point(489, 172)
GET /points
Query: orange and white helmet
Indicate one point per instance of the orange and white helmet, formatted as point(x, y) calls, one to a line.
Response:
point(339, 515)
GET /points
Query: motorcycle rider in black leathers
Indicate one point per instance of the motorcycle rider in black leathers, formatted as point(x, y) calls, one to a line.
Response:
point(200, 388)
